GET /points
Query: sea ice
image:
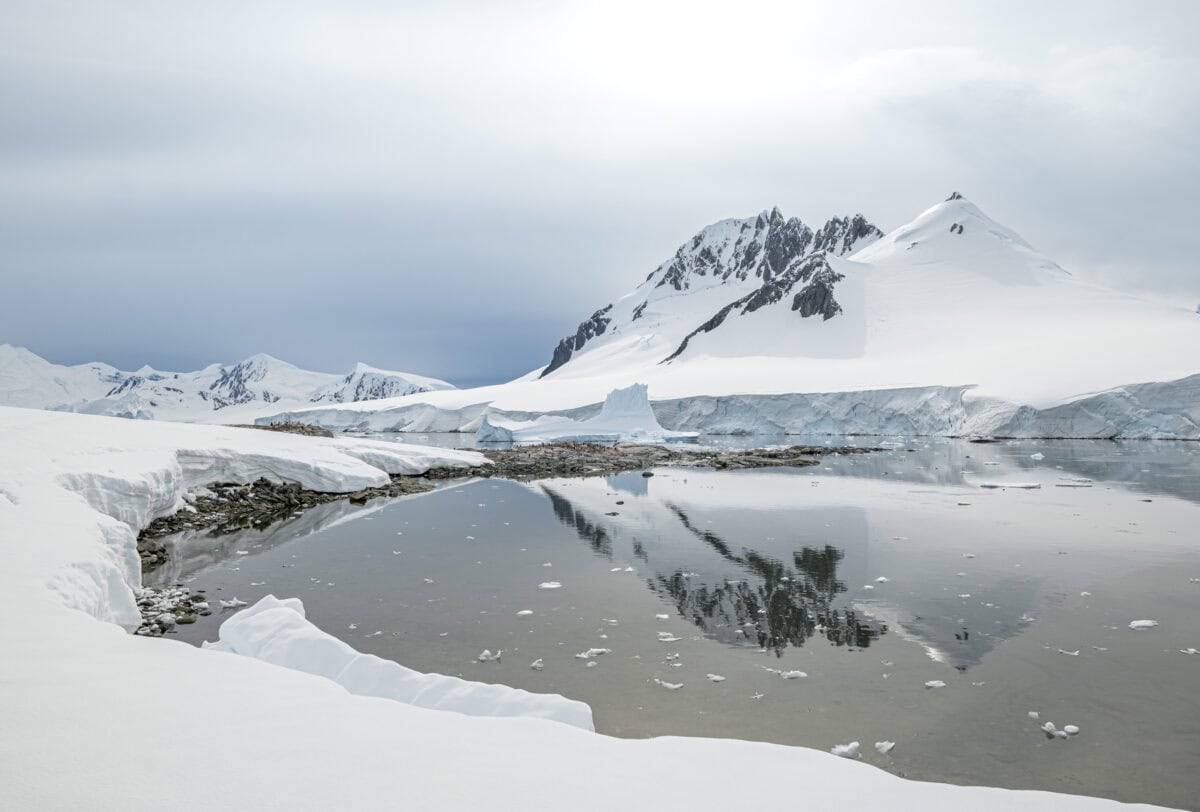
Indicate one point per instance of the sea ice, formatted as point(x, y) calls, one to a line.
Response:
point(1143, 624)
point(550, 585)
point(884, 747)
point(845, 750)
point(935, 683)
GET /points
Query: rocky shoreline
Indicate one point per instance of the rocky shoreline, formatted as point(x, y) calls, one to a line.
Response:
point(224, 507)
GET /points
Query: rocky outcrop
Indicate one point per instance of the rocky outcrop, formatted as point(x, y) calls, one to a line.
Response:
point(591, 328)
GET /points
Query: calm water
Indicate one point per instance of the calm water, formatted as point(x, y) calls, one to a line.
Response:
point(871, 574)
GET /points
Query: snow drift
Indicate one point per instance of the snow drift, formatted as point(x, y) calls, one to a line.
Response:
point(277, 632)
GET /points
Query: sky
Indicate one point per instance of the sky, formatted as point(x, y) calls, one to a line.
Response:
point(449, 188)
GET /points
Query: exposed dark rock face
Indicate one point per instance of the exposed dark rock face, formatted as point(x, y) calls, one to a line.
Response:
point(232, 386)
point(291, 428)
point(591, 328)
point(817, 296)
point(842, 235)
point(954, 196)
point(637, 311)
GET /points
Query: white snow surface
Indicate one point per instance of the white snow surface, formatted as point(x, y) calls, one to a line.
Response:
point(941, 331)
point(276, 631)
point(228, 393)
point(96, 718)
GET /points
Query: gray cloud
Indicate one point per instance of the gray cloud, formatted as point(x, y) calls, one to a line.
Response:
point(448, 188)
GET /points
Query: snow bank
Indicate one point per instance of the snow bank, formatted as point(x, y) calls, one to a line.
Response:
point(95, 718)
point(626, 416)
point(277, 632)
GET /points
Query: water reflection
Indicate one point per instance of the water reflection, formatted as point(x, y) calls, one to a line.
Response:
point(772, 605)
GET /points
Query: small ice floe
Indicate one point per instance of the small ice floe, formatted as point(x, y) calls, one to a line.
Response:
point(628, 569)
point(671, 657)
point(525, 613)
point(757, 696)
point(964, 595)
point(375, 634)
point(1192, 651)
point(397, 552)
point(845, 750)
point(592, 653)
point(615, 569)
point(1100, 648)
point(593, 664)
point(1025, 486)
point(1027, 618)
point(1071, 730)
point(611, 621)
point(352, 626)
point(714, 678)
point(1034, 715)
point(1085, 594)
point(1136, 625)
point(887, 663)
point(881, 580)
point(470, 538)
point(960, 574)
point(487, 656)
point(667, 637)
point(242, 552)
point(670, 686)
point(1038, 457)
point(537, 665)
point(258, 583)
point(1074, 653)
point(935, 683)
point(867, 586)
point(547, 564)
point(232, 603)
point(884, 748)
point(662, 617)
point(793, 674)
point(550, 585)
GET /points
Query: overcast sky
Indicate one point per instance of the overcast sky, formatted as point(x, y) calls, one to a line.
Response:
point(448, 188)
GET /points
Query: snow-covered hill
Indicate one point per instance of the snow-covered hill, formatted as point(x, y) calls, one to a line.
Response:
point(950, 324)
point(242, 390)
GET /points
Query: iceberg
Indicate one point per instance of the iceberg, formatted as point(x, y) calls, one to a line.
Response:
point(626, 416)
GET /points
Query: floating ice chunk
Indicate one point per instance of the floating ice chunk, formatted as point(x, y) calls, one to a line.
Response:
point(1034, 715)
point(868, 586)
point(550, 585)
point(1189, 651)
point(547, 564)
point(845, 750)
point(232, 603)
point(1135, 625)
point(537, 665)
point(1071, 730)
point(488, 657)
point(615, 569)
point(1038, 457)
point(1085, 594)
point(397, 552)
point(428, 580)
point(525, 613)
point(935, 683)
point(667, 637)
point(1074, 653)
point(1049, 727)
point(1027, 486)
point(964, 595)
point(881, 580)
point(592, 652)
point(627, 569)
point(662, 617)
point(1194, 580)
point(715, 677)
point(593, 664)
point(884, 747)
point(793, 674)
point(670, 686)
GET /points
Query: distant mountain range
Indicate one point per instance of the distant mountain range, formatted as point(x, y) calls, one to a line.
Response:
point(260, 381)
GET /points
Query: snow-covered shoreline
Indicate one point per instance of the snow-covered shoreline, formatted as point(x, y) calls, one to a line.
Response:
point(96, 718)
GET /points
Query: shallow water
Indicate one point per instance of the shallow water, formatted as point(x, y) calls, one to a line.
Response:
point(762, 572)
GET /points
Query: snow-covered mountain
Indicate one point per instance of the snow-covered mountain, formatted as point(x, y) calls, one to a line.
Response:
point(243, 389)
point(950, 324)
point(730, 268)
